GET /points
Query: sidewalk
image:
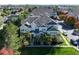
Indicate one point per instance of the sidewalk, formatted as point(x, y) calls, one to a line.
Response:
point(65, 40)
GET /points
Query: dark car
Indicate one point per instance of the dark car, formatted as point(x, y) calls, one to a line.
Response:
point(74, 42)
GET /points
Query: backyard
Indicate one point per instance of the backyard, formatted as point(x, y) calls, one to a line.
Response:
point(49, 51)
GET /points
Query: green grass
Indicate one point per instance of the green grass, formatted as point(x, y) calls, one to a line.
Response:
point(49, 51)
point(63, 51)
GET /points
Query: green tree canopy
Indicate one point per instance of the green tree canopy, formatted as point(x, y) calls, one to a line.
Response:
point(1, 20)
point(11, 37)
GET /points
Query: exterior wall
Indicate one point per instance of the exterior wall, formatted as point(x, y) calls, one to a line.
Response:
point(33, 25)
point(56, 26)
point(64, 7)
point(24, 29)
point(53, 32)
point(44, 29)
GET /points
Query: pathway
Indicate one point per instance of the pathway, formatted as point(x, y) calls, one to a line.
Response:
point(65, 39)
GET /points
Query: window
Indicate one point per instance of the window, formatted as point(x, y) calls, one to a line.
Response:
point(22, 30)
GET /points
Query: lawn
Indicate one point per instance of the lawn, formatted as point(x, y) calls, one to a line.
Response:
point(49, 51)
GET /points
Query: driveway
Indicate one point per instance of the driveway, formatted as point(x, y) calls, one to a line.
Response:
point(62, 27)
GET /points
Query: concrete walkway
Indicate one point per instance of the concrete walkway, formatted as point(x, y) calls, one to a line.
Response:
point(65, 39)
point(75, 48)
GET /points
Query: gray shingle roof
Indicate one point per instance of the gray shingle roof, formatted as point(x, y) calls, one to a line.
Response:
point(31, 19)
point(42, 20)
point(39, 11)
point(40, 17)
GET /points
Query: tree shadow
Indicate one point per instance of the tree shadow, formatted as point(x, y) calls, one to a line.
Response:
point(38, 51)
point(2, 40)
point(35, 51)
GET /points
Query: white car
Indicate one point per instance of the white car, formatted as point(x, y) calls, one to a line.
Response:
point(65, 33)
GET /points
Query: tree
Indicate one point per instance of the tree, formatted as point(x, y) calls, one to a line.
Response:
point(62, 12)
point(1, 20)
point(4, 51)
point(62, 17)
point(16, 22)
point(58, 39)
point(55, 8)
point(2, 39)
point(30, 9)
point(51, 40)
point(22, 16)
point(12, 41)
point(70, 20)
point(46, 38)
point(25, 39)
point(77, 25)
point(6, 11)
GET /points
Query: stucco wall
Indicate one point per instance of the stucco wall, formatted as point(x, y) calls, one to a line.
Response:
point(24, 29)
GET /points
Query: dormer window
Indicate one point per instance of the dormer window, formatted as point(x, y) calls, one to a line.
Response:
point(27, 23)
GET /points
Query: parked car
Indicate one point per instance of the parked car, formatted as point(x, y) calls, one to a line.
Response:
point(74, 42)
point(65, 33)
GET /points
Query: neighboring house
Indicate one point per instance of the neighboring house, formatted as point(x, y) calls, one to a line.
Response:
point(66, 8)
point(5, 19)
point(12, 17)
point(42, 11)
